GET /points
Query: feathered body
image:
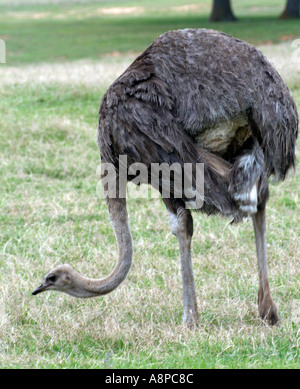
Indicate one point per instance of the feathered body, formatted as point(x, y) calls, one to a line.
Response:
point(195, 96)
point(201, 90)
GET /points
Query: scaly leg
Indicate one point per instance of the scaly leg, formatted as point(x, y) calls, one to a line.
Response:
point(266, 307)
point(182, 227)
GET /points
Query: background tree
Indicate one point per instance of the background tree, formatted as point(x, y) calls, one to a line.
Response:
point(222, 11)
point(291, 10)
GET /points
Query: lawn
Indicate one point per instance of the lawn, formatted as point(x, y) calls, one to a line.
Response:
point(90, 29)
point(60, 60)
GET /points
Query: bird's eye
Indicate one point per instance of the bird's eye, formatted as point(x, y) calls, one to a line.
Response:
point(51, 278)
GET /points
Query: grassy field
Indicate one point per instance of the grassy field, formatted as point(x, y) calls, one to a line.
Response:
point(91, 29)
point(58, 67)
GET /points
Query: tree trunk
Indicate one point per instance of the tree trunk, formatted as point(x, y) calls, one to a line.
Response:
point(222, 12)
point(291, 10)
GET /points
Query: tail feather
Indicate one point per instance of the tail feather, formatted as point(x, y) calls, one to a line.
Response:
point(247, 180)
point(274, 123)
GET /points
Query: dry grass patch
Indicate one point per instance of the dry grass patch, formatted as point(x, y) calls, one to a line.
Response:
point(90, 74)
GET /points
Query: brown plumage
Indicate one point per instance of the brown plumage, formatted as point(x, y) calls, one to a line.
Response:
point(200, 96)
point(194, 89)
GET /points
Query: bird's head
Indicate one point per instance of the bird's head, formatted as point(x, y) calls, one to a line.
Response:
point(60, 279)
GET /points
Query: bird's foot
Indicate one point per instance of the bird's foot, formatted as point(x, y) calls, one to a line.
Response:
point(268, 311)
point(190, 320)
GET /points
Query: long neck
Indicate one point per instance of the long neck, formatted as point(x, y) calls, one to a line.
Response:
point(88, 287)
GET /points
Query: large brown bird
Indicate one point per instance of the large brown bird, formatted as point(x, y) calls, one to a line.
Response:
point(194, 96)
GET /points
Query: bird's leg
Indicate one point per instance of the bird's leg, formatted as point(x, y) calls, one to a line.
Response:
point(182, 227)
point(266, 307)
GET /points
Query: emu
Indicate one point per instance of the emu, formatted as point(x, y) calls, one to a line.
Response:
point(195, 96)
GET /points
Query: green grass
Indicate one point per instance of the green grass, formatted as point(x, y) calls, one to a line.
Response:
point(67, 32)
point(50, 212)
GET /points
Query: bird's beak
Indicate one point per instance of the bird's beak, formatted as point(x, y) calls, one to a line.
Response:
point(40, 289)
